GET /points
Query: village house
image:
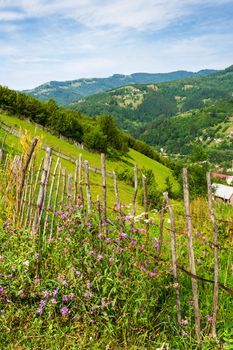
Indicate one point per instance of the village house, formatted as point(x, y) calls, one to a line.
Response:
point(223, 192)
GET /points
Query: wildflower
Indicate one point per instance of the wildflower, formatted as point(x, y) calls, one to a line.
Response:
point(133, 243)
point(98, 274)
point(64, 282)
point(93, 309)
point(87, 295)
point(184, 322)
point(88, 284)
point(78, 273)
point(39, 311)
point(99, 257)
point(64, 311)
point(152, 274)
point(46, 294)
point(71, 296)
point(209, 319)
point(103, 303)
point(42, 303)
point(37, 256)
point(1, 289)
point(127, 217)
point(53, 301)
point(91, 252)
point(156, 246)
point(65, 298)
point(92, 321)
point(111, 260)
point(119, 249)
point(123, 235)
point(143, 268)
point(108, 240)
point(22, 292)
point(139, 247)
point(55, 292)
point(36, 280)
point(184, 334)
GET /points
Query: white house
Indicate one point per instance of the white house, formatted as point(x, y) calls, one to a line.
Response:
point(223, 192)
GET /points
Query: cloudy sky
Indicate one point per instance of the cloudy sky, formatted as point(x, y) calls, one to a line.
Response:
point(43, 40)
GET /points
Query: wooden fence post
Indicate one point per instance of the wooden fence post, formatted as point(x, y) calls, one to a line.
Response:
point(118, 202)
point(63, 187)
point(40, 199)
point(55, 201)
point(104, 188)
point(161, 227)
point(145, 202)
point(88, 192)
point(215, 239)
point(50, 195)
point(76, 181)
point(80, 180)
point(174, 259)
point(135, 189)
point(69, 189)
point(32, 210)
point(191, 254)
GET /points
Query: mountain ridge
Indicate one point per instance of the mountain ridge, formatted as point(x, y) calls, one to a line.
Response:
point(64, 92)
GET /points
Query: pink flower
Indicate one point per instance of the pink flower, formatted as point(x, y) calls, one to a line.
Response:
point(99, 257)
point(184, 322)
point(152, 274)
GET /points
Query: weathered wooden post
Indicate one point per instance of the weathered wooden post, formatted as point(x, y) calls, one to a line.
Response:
point(191, 254)
point(55, 200)
point(135, 189)
point(145, 202)
point(76, 181)
point(215, 239)
point(104, 187)
point(69, 189)
point(40, 199)
point(88, 192)
point(174, 259)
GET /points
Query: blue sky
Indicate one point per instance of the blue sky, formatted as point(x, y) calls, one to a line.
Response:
point(43, 40)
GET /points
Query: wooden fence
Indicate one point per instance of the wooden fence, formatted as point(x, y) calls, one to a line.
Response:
point(40, 192)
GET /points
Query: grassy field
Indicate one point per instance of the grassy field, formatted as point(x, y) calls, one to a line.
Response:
point(126, 162)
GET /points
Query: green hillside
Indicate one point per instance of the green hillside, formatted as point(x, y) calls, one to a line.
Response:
point(171, 115)
point(69, 91)
point(67, 149)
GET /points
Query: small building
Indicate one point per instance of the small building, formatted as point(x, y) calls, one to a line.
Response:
point(223, 192)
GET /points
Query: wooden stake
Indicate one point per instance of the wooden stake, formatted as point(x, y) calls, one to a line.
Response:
point(45, 190)
point(69, 189)
point(161, 227)
point(104, 188)
point(63, 187)
point(118, 202)
point(40, 199)
point(215, 239)
point(191, 254)
point(80, 180)
point(55, 201)
point(88, 192)
point(174, 259)
point(144, 185)
point(30, 194)
point(32, 211)
point(50, 195)
point(135, 189)
point(76, 181)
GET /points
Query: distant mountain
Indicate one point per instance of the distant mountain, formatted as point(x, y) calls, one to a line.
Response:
point(171, 115)
point(69, 91)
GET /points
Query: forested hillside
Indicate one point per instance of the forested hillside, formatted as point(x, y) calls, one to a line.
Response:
point(171, 115)
point(69, 91)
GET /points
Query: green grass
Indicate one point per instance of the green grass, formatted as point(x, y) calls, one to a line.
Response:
point(126, 191)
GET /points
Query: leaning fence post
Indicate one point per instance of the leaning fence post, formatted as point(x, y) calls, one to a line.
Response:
point(63, 187)
point(174, 259)
point(215, 239)
point(80, 180)
point(104, 189)
point(191, 254)
point(40, 199)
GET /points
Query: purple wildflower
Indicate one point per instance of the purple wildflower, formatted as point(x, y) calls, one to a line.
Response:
point(71, 296)
point(55, 292)
point(64, 311)
point(91, 252)
point(93, 309)
point(65, 298)
point(184, 322)
point(123, 235)
point(209, 319)
point(64, 282)
point(46, 294)
point(184, 334)
point(39, 311)
point(42, 303)
point(53, 301)
point(156, 246)
point(133, 243)
point(87, 295)
point(37, 256)
point(78, 273)
point(152, 274)
point(1, 289)
point(119, 249)
point(99, 257)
